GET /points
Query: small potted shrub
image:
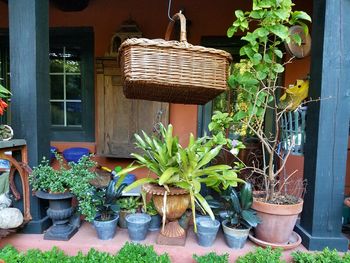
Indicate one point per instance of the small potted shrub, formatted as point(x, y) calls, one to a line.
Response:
point(241, 218)
point(107, 209)
point(59, 187)
point(127, 205)
point(155, 217)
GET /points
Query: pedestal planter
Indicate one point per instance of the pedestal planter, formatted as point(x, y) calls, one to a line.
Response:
point(235, 238)
point(207, 230)
point(106, 229)
point(278, 221)
point(155, 223)
point(138, 225)
point(60, 210)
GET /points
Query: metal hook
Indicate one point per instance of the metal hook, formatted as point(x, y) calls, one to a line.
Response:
point(169, 6)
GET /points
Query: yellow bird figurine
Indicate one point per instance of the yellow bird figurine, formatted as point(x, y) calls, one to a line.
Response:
point(294, 95)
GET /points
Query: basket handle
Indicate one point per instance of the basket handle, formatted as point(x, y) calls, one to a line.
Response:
point(169, 30)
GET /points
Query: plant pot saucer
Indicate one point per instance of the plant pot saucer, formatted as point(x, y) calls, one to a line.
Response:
point(294, 241)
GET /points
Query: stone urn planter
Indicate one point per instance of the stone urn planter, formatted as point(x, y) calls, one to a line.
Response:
point(60, 211)
point(176, 202)
point(207, 230)
point(235, 238)
point(138, 225)
point(278, 221)
point(106, 229)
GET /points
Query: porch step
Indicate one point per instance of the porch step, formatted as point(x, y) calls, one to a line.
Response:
point(86, 238)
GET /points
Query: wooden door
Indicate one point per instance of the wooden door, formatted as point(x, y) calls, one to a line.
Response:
point(119, 118)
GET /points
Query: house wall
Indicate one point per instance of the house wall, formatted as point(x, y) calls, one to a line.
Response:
point(207, 19)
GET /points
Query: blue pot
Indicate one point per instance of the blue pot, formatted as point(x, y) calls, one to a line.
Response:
point(75, 153)
point(138, 225)
point(207, 230)
point(128, 179)
point(155, 223)
point(106, 229)
point(235, 238)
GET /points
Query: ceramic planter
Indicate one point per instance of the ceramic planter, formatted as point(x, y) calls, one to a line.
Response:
point(74, 154)
point(138, 225)
point(278, 221)
point(235, 238)
point(155, 223)
point(207, 230)
point(106, 229)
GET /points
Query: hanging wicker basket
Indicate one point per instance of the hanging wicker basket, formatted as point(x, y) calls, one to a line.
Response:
point(173, 71)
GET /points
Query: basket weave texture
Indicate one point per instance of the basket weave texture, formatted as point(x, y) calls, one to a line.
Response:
point(173, 71)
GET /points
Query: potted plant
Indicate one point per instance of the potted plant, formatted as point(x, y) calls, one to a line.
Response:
point(179, 173)
point(155, 217)
point(107, 210)
point(127, 205)
point(59, 187)
point(256, 78)
point(240, 218)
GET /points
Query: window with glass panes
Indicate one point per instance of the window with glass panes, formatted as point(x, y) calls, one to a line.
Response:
point(66, 86)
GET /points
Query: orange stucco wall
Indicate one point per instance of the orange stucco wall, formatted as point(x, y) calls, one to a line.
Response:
point(207, 18)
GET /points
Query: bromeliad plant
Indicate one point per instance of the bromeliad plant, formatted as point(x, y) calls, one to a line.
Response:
point(106, 201)
point(129, 204)
point(256, 76)
point(185, 168)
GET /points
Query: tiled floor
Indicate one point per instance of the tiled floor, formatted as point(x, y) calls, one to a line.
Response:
point(86, 238)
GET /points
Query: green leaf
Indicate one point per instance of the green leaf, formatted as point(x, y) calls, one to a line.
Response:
point(304, 26)
point(256, 58)
point(240, 115)
point(205, 205)
point(250, 217)
point(231, 31)
point(278, 68)
point(261, 32)
point(167, 174)
point(278, 53)
point(280, 30)
point(5, 91)
point(261, 75)
point(235, 201)
point(239, 13)
point(297, 39)
point(296, 15)
point(246, 196)
point(140, 141)
point(256, 14)
point(139, 183)
point(208, 157)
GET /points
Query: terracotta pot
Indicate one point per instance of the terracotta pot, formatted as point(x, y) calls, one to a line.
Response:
point(278, 221)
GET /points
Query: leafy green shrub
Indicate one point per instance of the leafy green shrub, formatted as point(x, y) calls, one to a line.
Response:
point(129, 253)
point(261, 255)
point(211, 257)
point(325, 256)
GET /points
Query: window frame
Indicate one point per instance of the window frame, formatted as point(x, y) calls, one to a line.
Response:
point(84, 39)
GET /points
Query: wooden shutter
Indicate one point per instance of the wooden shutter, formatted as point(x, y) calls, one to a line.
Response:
point(118, 118)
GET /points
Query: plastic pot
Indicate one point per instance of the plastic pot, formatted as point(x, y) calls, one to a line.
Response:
point(106, 229)
point(235, 238)
point(138, 225)
point(207, 230)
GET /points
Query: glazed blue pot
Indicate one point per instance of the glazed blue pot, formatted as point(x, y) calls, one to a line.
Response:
point(207, 230)
point(75, 153)
point(138, 225)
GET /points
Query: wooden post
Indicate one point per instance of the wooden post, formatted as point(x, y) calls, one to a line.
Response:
point(327, 127)
point(29, 50)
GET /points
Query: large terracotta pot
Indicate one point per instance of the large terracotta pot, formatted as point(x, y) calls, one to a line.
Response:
point(278, 221)
point(177, 201)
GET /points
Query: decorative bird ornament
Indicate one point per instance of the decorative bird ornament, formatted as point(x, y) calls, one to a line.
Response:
point(294, 95)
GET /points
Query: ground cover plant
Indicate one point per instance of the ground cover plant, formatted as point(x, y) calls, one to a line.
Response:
point(129, 253)
point(211, 258)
